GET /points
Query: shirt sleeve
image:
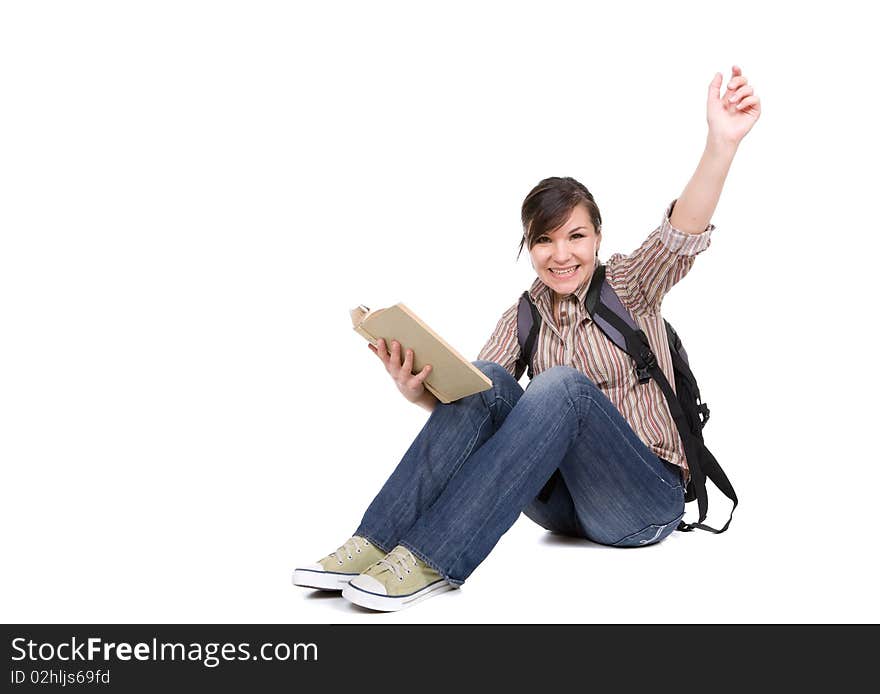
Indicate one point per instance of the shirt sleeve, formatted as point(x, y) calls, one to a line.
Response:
point(503, 345)
point(642, 278)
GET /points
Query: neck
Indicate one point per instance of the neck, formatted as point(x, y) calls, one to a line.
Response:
point(557, 297)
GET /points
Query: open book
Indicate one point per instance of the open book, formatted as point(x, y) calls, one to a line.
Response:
point(452, 376)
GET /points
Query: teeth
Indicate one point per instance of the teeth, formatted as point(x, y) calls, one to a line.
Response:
point(566, 272)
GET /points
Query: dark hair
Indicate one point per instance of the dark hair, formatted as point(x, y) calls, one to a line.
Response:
point(550, 203)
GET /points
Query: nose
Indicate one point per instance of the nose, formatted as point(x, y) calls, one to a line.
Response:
point(561, 251)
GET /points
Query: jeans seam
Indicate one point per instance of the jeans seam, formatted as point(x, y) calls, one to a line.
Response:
point(491, 405)
point(470, 447)
point(650, 525)
point(504, 400)
point(636, 450)
point(501, 499)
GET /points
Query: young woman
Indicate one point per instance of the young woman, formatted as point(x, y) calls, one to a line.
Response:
point(480, 461)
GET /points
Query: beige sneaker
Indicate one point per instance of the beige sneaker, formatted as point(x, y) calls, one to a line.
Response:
point(335, 570)
point(397, 581)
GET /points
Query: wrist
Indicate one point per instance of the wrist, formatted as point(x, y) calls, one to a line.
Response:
point(720, 146)
point(427, 400)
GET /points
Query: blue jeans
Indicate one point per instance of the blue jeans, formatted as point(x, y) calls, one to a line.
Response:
point(480, 461)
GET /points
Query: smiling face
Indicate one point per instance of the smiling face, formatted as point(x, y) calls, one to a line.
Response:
point(566, 257)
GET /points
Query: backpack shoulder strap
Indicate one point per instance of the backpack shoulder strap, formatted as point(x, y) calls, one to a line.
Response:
point(618, 325)
point(615, 321)
point(528, 325)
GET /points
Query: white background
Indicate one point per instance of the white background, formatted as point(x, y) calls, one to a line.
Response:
point(194, 195)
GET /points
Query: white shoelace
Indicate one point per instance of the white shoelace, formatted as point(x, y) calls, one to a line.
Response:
point(398, 562)
point(346, 549)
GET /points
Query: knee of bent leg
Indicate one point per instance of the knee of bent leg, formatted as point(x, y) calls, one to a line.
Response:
point(560, 377)
point(494, 371)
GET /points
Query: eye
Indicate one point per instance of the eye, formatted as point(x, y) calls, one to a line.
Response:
point(577, 236)
point(542, 239)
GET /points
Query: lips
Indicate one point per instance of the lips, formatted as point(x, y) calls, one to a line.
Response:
point(563, 272)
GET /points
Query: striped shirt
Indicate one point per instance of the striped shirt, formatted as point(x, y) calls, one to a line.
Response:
point(640, 279)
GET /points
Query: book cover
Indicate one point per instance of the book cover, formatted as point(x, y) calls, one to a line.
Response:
point(452, 377)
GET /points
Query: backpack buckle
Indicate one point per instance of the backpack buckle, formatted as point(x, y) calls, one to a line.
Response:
point(703, 411)
point(646, 362)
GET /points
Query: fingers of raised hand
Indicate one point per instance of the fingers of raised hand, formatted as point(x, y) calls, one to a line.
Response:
point(736, 82)
point(741, 93)
point(747, 102)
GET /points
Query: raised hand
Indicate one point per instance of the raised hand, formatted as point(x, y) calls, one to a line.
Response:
point(732, 115)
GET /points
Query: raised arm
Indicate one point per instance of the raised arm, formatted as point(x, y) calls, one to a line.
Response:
point(730, 117)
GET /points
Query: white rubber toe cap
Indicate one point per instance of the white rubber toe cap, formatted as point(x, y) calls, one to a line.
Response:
point(369, 584)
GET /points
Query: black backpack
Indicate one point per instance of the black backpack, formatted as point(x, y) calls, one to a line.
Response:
point(687, 410)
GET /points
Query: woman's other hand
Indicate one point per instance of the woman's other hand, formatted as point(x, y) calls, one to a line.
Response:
point(731, 116)
point(410, 385)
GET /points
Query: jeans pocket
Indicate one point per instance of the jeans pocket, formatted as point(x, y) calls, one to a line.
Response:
point(649, 535)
